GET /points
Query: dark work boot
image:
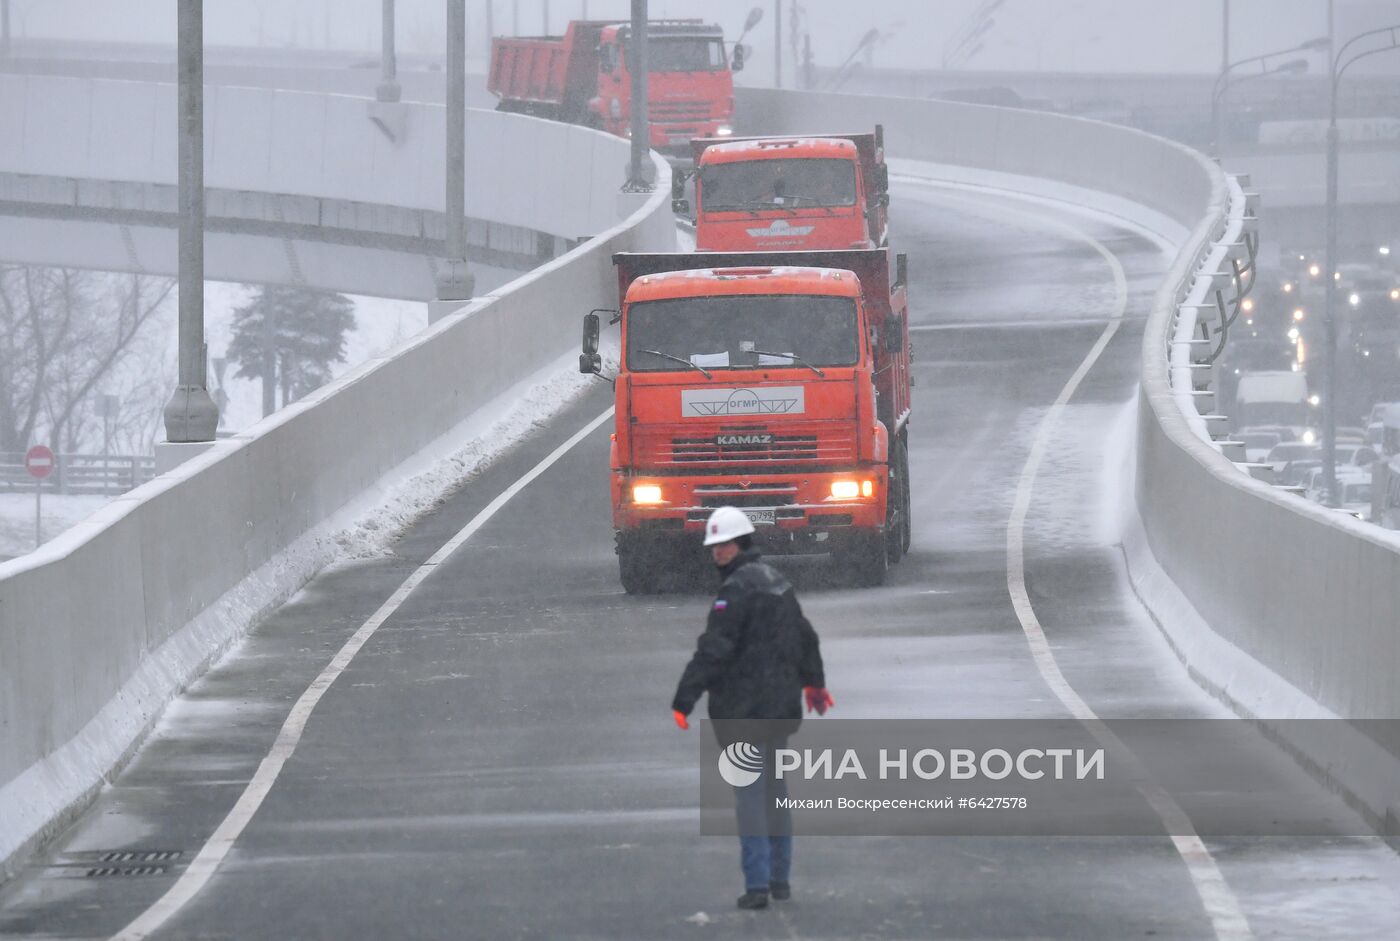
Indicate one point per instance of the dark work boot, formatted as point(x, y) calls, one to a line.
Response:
point(781, 891)
point(753, 899)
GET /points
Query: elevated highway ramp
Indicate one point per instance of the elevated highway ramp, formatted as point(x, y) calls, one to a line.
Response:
point(494, 756)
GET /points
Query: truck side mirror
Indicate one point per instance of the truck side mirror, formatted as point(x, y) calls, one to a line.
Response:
point(607, 58)
point(679, 204)
point(882, 178)
point(894, 334)
point(589, 362)
point(738, 64)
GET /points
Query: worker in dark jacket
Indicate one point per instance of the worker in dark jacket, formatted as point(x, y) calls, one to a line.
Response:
point(756, 659)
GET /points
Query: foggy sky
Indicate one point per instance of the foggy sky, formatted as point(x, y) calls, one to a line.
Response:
point(1055, 35)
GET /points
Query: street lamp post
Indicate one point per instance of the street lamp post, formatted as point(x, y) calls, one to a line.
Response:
point(388, 89)
point(455, 283)
point(191, 415)
point(1223, 82)
point(1339, 65)
point(638, 180)
point(777, 43)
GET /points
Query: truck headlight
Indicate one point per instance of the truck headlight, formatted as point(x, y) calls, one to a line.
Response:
point(646, 494)
point(724, 130)
point(851, 489)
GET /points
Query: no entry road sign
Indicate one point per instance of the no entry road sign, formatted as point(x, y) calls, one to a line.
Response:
point(38, 460)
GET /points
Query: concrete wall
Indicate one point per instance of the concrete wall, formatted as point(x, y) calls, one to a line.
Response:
point(1165, 177)
point(532, 174)
point(102, 625)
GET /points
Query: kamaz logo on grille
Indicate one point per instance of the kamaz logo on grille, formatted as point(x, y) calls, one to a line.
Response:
point(742, 441)
point(714, 403)
point(780, 229)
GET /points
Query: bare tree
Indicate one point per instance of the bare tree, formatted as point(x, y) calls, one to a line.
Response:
point(62, 333)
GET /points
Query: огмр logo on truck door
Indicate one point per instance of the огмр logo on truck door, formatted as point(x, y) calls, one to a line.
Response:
point(718, 403)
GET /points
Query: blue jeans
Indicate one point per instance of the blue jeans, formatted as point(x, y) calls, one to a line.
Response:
point(765, 831)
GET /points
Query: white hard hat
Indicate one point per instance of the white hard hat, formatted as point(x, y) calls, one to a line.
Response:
point(726, 524)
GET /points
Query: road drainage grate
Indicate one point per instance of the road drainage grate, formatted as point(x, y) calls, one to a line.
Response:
point(134, 863)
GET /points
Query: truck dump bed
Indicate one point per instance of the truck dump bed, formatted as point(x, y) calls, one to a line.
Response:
point(544, 68)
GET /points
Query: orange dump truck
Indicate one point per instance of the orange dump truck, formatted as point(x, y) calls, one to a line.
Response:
point(777, 382)
point(583, 77)
point(791, 193)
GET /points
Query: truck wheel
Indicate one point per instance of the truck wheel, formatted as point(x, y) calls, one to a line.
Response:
point(638, 569)
point(867, 559)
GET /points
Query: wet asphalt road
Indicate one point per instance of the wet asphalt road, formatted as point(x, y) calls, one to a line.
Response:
point(499, 761)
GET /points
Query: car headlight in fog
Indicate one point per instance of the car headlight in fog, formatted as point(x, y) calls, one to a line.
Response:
point(1288, 287)
point(1292, 333)
point(646, 494)
point(724, 130)
point(1309, 437)
point(1314, 270)
point(1395, 294)
point(1248, 304)
point(1299, 314)
point(1314, 400)
point(1354, 299)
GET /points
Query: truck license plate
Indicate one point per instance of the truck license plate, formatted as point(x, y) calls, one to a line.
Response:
point(762, 516)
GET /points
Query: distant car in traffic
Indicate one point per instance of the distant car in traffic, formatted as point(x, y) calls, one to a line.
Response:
point(1355, 455)
point(1351, 434)
point(1258, 442)
point(1294, 473)
point(1280, 455)
point(1356, 497)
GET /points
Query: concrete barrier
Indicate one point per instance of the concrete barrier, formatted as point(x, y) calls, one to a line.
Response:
point(265, 140)
point(100, 627)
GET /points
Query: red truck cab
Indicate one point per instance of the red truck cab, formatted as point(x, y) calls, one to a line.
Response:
point(775, 382)
point(583, 77)
point(791, 193)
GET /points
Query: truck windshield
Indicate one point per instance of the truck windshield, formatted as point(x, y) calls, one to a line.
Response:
point(727, 332)
point(791, 182)
point(685, 54)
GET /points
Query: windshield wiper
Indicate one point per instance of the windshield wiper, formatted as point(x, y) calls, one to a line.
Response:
point(686, 362)
point(816, 202)
point(752, 207)
point(795, 358)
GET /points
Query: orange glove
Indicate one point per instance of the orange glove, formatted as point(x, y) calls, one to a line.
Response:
point(818, 699)
point(679, 716)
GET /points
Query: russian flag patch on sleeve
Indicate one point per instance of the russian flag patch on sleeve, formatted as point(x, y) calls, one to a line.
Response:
point(721, 604)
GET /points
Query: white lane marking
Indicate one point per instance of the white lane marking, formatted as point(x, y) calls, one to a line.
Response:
point(214, 851)
point(1221, 906)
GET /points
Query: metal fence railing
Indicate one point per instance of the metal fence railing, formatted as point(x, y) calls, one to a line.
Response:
point(79, 473)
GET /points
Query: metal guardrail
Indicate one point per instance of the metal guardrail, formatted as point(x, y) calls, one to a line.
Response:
point(1208, 302)
point(79, 474)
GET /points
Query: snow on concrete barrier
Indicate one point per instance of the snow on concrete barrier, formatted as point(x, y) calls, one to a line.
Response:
point(1281, 607)
point(99, 628)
